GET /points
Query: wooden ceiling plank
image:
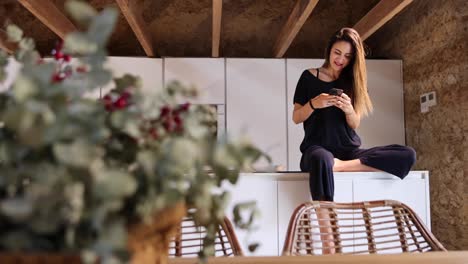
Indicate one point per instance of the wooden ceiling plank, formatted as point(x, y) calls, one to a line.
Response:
point(50, 15)
point(379, 15)
point(216, 35)
point(296, 20)
point(130, 10)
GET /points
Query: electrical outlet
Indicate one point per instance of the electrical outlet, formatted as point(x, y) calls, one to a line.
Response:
point(431, 99)
point(427, 100)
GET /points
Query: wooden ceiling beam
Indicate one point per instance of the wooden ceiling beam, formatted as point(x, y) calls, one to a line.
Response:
point(50, 15)
point(216, 34)
point(131, 12)
point(296, 20)
point(379, 15)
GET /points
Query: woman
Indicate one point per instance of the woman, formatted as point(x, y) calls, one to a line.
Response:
point(330, 142)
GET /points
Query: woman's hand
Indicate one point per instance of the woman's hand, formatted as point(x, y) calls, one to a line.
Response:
point(323, 100)
point(343, 102)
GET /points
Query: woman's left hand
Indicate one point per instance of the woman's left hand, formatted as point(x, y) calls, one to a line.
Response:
point(343, 102)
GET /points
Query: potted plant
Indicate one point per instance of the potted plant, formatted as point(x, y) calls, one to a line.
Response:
point(99, 176)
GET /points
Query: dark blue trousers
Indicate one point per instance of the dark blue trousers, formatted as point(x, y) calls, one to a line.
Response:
point(318, 161)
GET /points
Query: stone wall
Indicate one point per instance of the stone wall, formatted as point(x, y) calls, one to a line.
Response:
point(431, 38)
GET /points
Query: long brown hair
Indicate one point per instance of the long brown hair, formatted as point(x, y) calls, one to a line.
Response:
point(355, 73)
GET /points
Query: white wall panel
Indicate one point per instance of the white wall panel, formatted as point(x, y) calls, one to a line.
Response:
point(386, 125)
point(148, 69)
point(255, 104)
point(206, 74)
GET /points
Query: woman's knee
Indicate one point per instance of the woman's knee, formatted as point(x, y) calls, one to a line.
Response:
point(321, 156)
point(410, 155)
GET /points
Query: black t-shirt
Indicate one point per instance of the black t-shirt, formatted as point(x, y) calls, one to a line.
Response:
point(326, 127)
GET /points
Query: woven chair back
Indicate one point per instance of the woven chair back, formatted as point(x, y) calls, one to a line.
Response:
point(384, 226)
point(188, 240)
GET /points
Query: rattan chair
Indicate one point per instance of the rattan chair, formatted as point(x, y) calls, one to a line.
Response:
point(384, 226)
point(189, 240)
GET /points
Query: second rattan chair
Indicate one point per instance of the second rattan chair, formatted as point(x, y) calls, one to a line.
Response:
point(189, 240)
point(384, 226)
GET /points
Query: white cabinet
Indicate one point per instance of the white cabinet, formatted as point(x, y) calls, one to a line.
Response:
point(411, 191)
point(148, 69)
point(206, 74)
point(264, 191)
point(278, 194)
point(255, 104)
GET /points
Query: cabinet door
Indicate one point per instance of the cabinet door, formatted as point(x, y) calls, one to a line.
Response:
point(255, 104)
point(206, 74)
point(264, 192)
point(295, 67)
point(411, 191)
point(386, 125)
point(148, 69)
point(293, 193)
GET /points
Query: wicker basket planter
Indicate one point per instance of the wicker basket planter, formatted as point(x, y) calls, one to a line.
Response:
point(149, 243)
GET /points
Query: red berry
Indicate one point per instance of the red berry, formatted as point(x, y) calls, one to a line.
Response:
point(109, 107)
point(179, 128)
point(185, 107)
point(107, 99)
point(165, 110)
point(81, 69)
point(57, 78)
point(121, 103)
point(177, 120)
point(67, 58)
point(126, 94)
point(168, 125)
point(58, 55)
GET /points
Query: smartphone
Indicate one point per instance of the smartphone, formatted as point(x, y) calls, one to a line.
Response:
point(335, 91)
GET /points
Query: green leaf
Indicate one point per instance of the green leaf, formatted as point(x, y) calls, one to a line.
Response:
point(241, 210)
point(147, 160)
point(3, 65)
point(17, 209)
point(27, 44)
point(127, 81)
point(113, 236)
point(79, 43)
point(99, 77)
point(78, 154)
point(80, 11)
point(102, 26)
point(253, 246)
point(112, 184)
point(41, 73)
point(15, 34)
point(24, 88)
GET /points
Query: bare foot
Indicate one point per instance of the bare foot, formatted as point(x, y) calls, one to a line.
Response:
point(338, 166)
point(328, 248)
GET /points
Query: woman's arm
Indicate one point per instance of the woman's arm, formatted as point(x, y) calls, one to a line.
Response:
point(352, 118)
point(302, 112)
